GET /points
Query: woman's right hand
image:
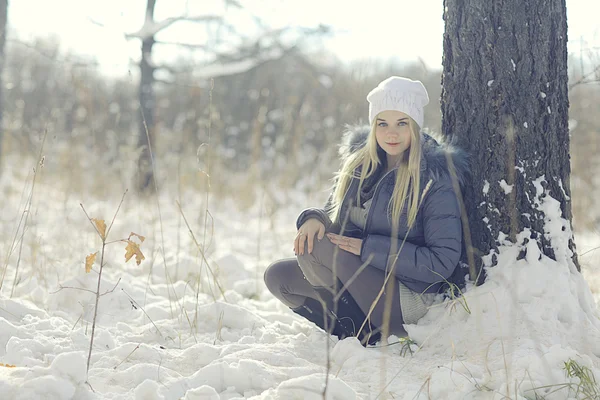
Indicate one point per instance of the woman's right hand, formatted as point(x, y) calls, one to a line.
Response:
point(307, 232)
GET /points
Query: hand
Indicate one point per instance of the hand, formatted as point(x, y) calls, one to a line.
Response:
point(307, 232)
point(351, 245)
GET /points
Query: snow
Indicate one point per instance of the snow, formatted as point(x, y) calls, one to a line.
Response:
point(325, 81)
point(506, 187)
point(508, 337)
point(486, 187)
point(560, 184)
point(151, 27)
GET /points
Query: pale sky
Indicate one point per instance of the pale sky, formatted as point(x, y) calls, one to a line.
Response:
point(375, 28)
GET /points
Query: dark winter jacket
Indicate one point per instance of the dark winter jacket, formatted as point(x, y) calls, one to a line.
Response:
point(433, 246)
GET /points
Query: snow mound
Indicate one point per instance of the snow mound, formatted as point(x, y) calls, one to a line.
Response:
point(172, 329)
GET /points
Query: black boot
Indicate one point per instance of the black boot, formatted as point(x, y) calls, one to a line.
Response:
point(349, 316)
point(312, 310)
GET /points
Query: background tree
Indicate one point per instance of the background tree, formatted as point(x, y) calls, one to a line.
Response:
point(229, 52)
point(3, 22)
point(505, 99)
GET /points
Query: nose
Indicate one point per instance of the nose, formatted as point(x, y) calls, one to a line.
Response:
point(392, 131)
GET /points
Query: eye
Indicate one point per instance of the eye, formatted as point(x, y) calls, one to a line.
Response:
point(382, 124)
point(402, 123)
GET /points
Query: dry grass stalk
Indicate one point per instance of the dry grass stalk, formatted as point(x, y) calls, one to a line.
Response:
point(162, 236)
point(24, 219)
point(207, 173)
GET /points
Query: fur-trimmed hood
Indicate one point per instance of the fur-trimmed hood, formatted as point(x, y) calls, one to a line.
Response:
point(435, 152)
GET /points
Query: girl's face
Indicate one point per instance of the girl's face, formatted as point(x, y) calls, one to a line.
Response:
point(393, 134)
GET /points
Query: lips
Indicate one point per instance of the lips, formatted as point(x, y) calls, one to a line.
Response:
point(393, 144)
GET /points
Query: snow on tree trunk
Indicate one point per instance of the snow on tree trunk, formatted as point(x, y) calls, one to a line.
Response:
point(505, 100)
point(146, 99)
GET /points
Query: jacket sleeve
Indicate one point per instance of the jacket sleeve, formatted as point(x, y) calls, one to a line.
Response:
point(437, 259)
point(318, 213)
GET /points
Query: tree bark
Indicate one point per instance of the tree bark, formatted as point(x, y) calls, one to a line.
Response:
point(3, 23)
point(147, 127)
point(505, 100)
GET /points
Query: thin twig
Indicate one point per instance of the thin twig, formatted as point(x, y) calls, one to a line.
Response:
point(12, 247)
point(61, 287)
point(162, 236)
point(584, 77)
point(91, 222)
point(111, 290)
point(589, 251)
point(8, 312)
point(116, 212)
point(90, 385)
point(201, 251)
point(40, 164)
point(128, 355)
point(103, 238)
point(353, 277)
point(96, 305)
point(327, 356)
point(144, 311)
point(184, 311)
point(75, 324)
point(210, 96)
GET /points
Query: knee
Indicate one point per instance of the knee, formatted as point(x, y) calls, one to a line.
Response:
point(274, 276)
point(317, 248)
point(321, 249)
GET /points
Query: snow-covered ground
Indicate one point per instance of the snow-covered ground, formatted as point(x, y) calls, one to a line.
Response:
point(530, 317)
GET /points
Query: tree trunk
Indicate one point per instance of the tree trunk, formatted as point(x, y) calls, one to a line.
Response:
point(3, 23)
point(147, 104)
point(505, 100)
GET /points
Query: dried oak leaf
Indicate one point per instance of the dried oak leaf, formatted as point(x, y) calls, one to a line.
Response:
point(101, 226)
point(89, 261)
point(142, 238)
point(7, 365)
point(133, 249)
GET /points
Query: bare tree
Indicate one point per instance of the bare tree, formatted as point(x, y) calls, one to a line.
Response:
point(146, 98)
point(505, 99)
point(221, 61)
point(3, 22)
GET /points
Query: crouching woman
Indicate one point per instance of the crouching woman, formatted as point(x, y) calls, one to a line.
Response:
point(390, 235)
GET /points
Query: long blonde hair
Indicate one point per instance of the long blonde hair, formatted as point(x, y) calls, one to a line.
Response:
point(408, 177)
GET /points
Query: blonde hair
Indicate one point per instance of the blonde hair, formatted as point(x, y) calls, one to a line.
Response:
point(408, 177)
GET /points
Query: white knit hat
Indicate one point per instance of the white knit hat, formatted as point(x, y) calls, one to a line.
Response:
point(399, 94)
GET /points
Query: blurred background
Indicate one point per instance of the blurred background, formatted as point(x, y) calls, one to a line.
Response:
point(253, 93)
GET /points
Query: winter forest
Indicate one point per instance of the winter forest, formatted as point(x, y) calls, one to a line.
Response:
point(155, 155)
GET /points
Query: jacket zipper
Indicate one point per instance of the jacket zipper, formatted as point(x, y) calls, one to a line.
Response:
point(339, 220)
point(367, 225)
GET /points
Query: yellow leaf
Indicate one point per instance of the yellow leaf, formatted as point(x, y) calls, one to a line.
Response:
point(142, 238)
point(7, 365)
point(133, 249)
point(101, 226)
point(89, 261)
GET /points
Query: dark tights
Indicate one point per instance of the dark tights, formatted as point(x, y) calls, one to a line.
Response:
point(292, 280)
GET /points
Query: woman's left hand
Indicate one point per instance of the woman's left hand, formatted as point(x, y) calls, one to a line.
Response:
point(351, 245)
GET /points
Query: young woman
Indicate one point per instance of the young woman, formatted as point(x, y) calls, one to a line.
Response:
point(390, 235)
